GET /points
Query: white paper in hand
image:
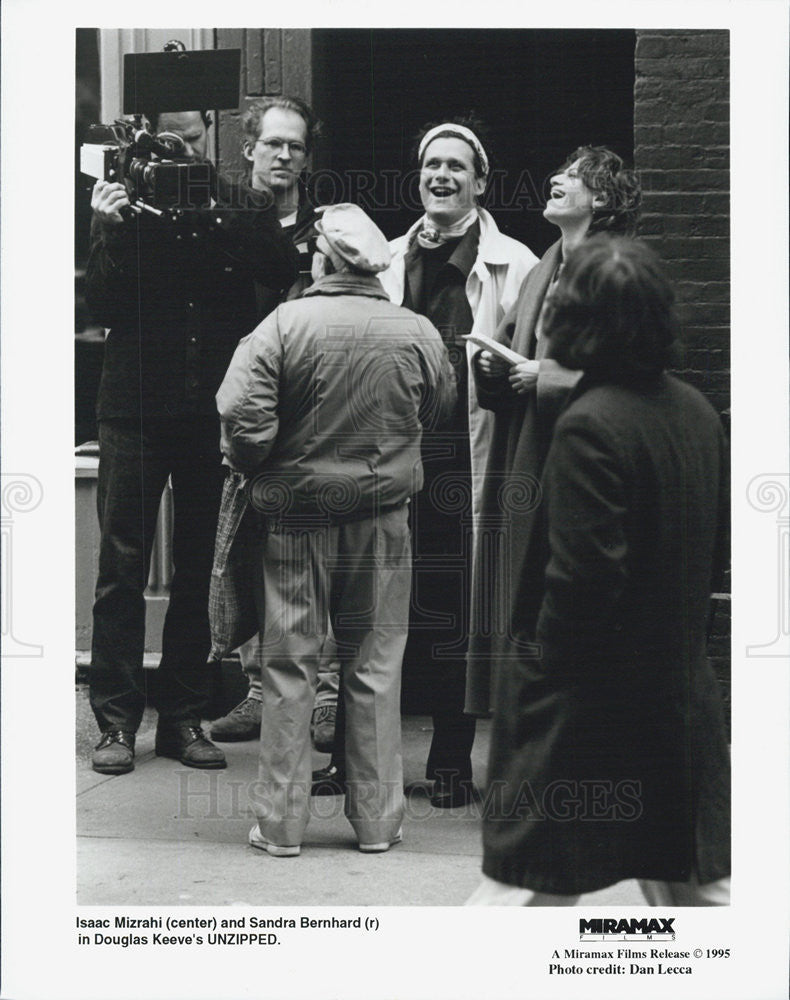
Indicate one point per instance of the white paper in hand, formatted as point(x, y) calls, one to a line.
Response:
point(497, 349)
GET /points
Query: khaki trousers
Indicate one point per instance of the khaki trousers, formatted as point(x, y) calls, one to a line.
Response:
point(355, 576)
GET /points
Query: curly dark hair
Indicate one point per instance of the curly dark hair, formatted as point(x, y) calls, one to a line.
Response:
point(251, 119)
point(612, 312)
point(470, 121)
point(606, 175)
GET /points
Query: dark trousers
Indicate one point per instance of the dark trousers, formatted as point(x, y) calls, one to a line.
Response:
point(135, 460)
point(435, 657)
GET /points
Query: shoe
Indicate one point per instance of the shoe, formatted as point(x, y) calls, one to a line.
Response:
point(322, 727)
point(242, 723)
point(276, 850)
point(450, 794)
point(385, 845)
point(114, 753)
point(188, 744)
point(330, 780)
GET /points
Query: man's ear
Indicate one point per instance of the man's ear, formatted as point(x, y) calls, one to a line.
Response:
point(246, 151)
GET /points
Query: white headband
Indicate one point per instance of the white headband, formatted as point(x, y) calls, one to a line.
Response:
point(460, 130)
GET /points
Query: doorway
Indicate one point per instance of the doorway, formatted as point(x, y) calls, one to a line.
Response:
point(541, 94)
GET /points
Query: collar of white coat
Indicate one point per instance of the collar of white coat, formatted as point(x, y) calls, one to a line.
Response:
point(493, 247)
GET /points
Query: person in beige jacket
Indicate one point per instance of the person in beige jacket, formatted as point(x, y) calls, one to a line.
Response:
point(324, 406)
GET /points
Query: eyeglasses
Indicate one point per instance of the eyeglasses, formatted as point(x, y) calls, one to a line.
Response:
point(275, 145)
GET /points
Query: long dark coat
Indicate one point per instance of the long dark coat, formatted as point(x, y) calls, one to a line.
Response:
point(609, 757)
point(510, 556)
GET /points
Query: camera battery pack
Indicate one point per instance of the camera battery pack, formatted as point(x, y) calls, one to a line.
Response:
point(99, 161)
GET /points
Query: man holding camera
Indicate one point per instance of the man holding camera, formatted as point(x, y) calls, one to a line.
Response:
point(175, 291)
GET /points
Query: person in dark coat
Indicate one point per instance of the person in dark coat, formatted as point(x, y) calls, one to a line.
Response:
point(609, 756)
point(592, 192)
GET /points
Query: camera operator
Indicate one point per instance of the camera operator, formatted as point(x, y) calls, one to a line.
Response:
point(176, 291)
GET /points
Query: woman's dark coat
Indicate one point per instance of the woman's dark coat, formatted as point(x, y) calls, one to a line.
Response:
point(510, 557)
point(609, 757)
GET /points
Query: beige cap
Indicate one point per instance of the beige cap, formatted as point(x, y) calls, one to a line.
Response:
point(354, 236)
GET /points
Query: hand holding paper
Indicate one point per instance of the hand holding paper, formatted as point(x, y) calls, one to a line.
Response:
point(497, 349)
point(496, 359)
point(524, 375)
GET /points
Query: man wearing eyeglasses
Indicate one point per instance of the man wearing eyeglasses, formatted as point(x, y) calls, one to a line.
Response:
point(278, 136)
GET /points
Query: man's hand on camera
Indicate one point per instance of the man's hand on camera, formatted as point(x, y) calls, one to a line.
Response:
point(107, 200)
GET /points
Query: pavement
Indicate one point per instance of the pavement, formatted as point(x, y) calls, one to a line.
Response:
point(171, 835)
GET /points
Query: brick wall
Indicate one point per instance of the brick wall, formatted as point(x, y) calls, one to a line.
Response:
point(681, 150)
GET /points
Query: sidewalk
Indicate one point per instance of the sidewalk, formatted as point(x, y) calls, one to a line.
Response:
point(171, 835)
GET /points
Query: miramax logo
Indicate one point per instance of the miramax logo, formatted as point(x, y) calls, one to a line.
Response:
point(627, 929)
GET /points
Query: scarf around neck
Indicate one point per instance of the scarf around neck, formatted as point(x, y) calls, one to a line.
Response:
point(430, 235)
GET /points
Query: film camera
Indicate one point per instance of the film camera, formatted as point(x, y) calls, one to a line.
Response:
point(155, 169)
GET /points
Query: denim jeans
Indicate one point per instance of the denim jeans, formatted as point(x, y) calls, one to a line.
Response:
point(135, 460)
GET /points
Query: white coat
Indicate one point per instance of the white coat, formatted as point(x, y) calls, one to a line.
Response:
point(492, 287)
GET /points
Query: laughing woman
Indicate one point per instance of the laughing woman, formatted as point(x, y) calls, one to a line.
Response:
point(591, 193)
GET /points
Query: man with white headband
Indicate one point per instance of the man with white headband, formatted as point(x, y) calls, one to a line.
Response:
point(455, 267)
